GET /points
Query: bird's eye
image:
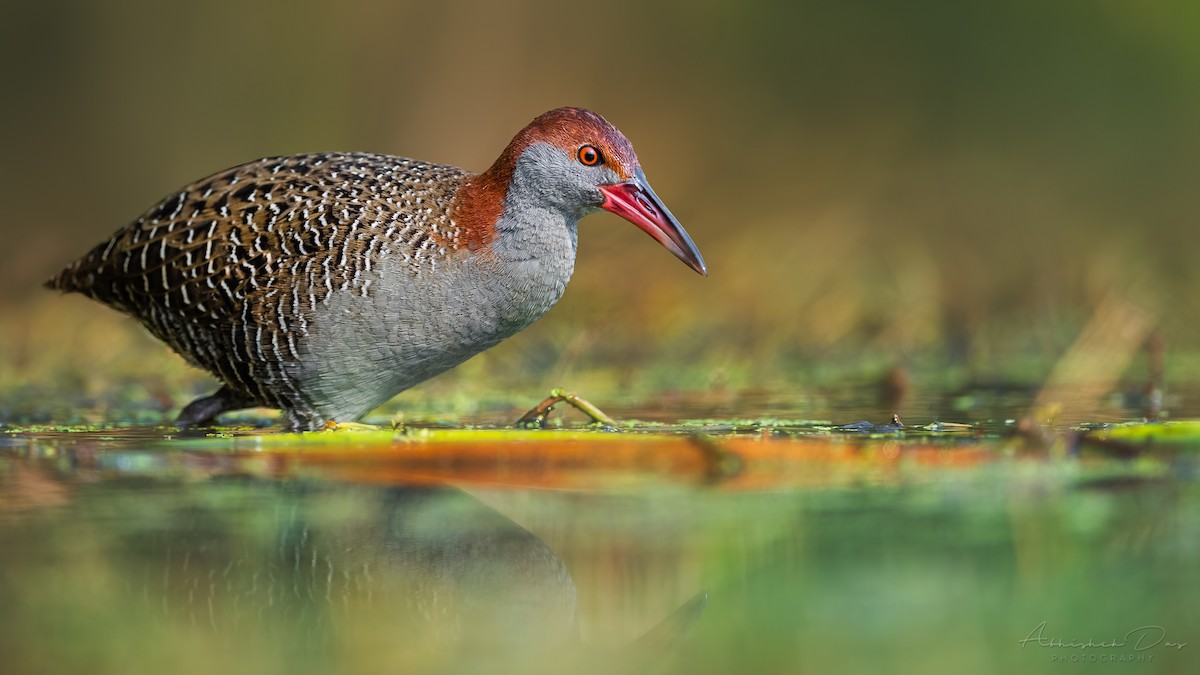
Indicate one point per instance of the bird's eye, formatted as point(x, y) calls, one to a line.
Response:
point(588, 155)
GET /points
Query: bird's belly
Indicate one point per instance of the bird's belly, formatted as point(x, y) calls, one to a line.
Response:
point(362, 348)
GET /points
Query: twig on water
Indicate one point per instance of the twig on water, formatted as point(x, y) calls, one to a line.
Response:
point(537, 416)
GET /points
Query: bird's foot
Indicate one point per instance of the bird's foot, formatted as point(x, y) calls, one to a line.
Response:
point(538, 416)
point(203, 411)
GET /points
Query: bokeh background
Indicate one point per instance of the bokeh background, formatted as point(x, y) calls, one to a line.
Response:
point(951, 186)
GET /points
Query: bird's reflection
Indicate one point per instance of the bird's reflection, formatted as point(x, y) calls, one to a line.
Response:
point(333, 567)
point(418, 577)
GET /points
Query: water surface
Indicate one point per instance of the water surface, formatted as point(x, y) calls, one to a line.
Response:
point(136, 550)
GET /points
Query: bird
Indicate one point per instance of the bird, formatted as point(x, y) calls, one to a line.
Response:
point(324, 284)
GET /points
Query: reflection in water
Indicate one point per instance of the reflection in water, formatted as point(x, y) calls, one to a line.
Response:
point(432, 564)
point(290, 576)
point(116, 563)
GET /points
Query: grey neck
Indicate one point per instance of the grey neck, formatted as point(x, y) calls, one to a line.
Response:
point(537, 234)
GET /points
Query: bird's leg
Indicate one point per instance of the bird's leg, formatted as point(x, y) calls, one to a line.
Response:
point(537, 416)
point(203, 411)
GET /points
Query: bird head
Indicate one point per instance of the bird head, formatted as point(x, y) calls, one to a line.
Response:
point(574, 160)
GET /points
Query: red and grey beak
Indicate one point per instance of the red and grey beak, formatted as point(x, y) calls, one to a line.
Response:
point(636, 202)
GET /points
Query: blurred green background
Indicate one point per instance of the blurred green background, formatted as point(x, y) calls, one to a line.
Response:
point(956, 184)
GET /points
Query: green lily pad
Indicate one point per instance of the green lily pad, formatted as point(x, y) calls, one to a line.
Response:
point(1177, 433)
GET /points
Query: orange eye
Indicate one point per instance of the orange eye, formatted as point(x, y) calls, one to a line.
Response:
point(588, 155)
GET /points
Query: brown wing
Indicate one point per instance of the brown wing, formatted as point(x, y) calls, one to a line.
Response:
point(225, 268)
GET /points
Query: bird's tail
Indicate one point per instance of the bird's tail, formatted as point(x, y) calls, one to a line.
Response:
point(66, 281)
